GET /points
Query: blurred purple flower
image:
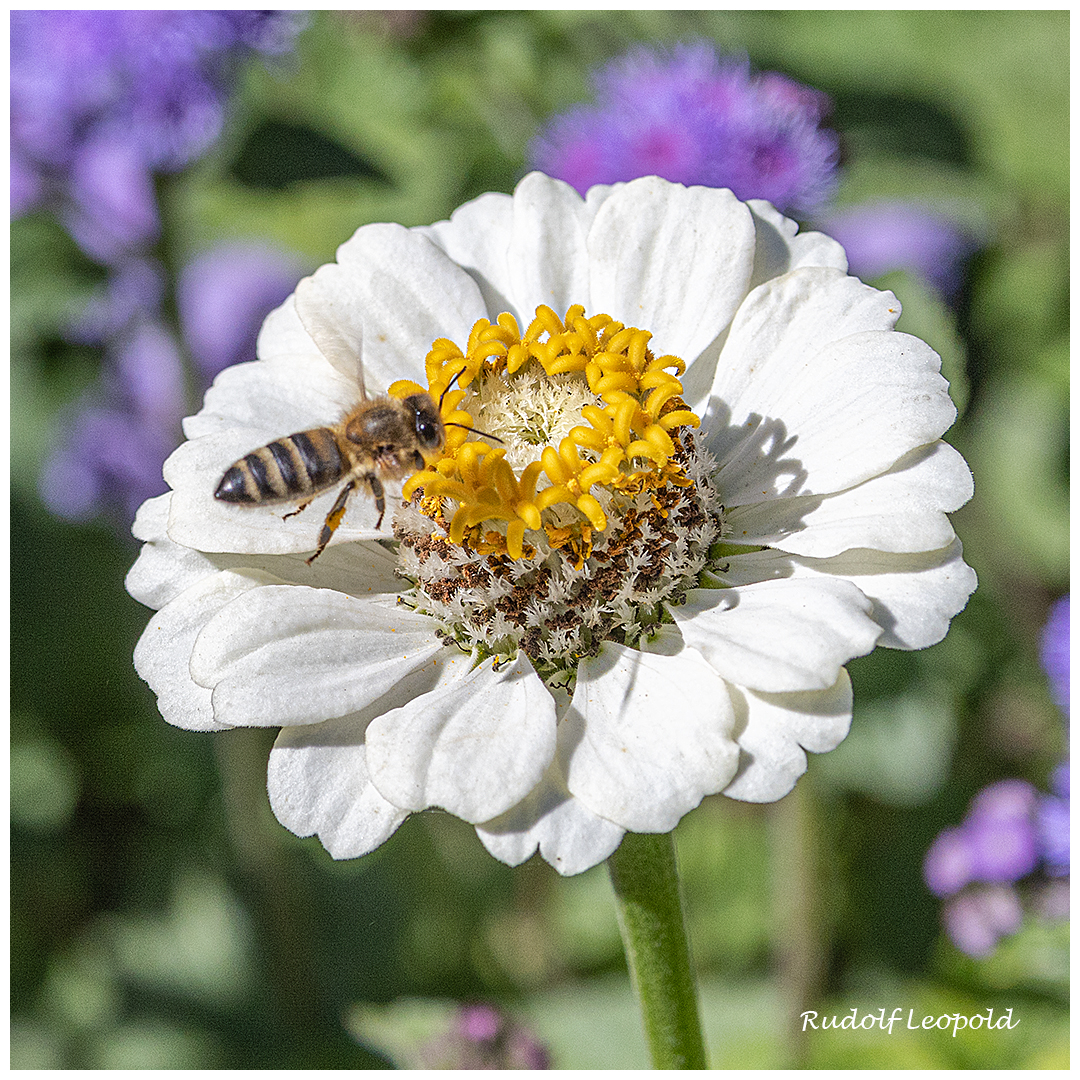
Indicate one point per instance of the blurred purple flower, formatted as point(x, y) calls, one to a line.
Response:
point(223, 296)
point(1054, 652)
point(112, 208)
point(1053, 812)
point(483, 1037)
point(100, 100)
point(995, 843)
point(1000, 831)
point(1059, 781)
point(25, 182)
point(479, 1023)
point(692, 117)
point(895, 235)
point(1010, 831)
point(977, 919)
point(117, 440)
point(134, 288)
point(947, 867)
point(1053, 828)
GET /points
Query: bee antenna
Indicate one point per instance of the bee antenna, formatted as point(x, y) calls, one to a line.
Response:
point(450, 423)
point(474, 430)
point(447, 391)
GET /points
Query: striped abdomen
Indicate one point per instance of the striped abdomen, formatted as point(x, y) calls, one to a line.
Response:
point(286, 469)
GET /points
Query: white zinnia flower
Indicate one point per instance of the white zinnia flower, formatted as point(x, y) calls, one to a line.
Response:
point(592, 611)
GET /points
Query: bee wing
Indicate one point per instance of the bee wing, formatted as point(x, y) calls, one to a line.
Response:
point(333, 325)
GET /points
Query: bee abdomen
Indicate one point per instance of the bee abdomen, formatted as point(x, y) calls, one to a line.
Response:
point(288, 468)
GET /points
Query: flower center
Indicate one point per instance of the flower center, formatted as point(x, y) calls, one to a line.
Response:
point(570, 498)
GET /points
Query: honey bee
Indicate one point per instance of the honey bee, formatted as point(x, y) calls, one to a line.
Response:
point(381, 438)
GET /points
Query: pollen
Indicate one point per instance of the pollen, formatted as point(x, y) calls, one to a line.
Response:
point(572, 403)
point(569, 497)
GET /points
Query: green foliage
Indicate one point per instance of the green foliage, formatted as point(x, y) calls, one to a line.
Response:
point(162, 919)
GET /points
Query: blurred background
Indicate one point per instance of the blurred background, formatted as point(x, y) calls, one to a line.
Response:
point(173, 175)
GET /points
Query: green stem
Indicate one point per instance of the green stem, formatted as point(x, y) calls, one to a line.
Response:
point(646, 885)
point(797, 912)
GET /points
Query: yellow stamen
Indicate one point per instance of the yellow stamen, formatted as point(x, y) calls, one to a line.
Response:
point(637, 407)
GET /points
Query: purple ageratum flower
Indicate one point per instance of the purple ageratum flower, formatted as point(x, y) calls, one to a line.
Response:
point(1059, 781)
point(479, 1023)
point(948, 864)
point(883, 236)
point(117, 442)
point(977, 919)
point(689, 116)
point(1000, 831)
point(996, 842)
point(1054, 652)
point(1010, 830)
point(223, 297)
point(1052, 823)
point(114, 448)
point(271, 33)
point(1053, 829)
point(25, 183)
point(482, 1037)
point(134, 290)
point(100, 100)
point(112, 208)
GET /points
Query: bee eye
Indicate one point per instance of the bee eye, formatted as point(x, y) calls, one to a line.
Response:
point(427, 432)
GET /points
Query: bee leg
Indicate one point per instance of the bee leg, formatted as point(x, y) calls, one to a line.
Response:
point(293, 513)
point(379, 494)
point(333, 520)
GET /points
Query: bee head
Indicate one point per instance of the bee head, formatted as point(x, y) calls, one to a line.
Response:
point(427, 423)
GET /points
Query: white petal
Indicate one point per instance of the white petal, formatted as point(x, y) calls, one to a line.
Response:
point(318, 783)
point(362, 569)
point(328, 310)
point(164, 569)
point(548, 262)
point(475, 745)
point(785, 323)
point(408, 293)
point(651, 736)
point(813, 425)
point(163, 652)
point(286, 654)
point(477, 238)
point(913, 595)
point(814, 392)
point(283, 337)
point(569, 835)
point(672, 260)
point(524, 250)
point(151, 517)
point(275, 397)
point(775, 730)
point(779, 636)
point(903, 509)
point(781, 247)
